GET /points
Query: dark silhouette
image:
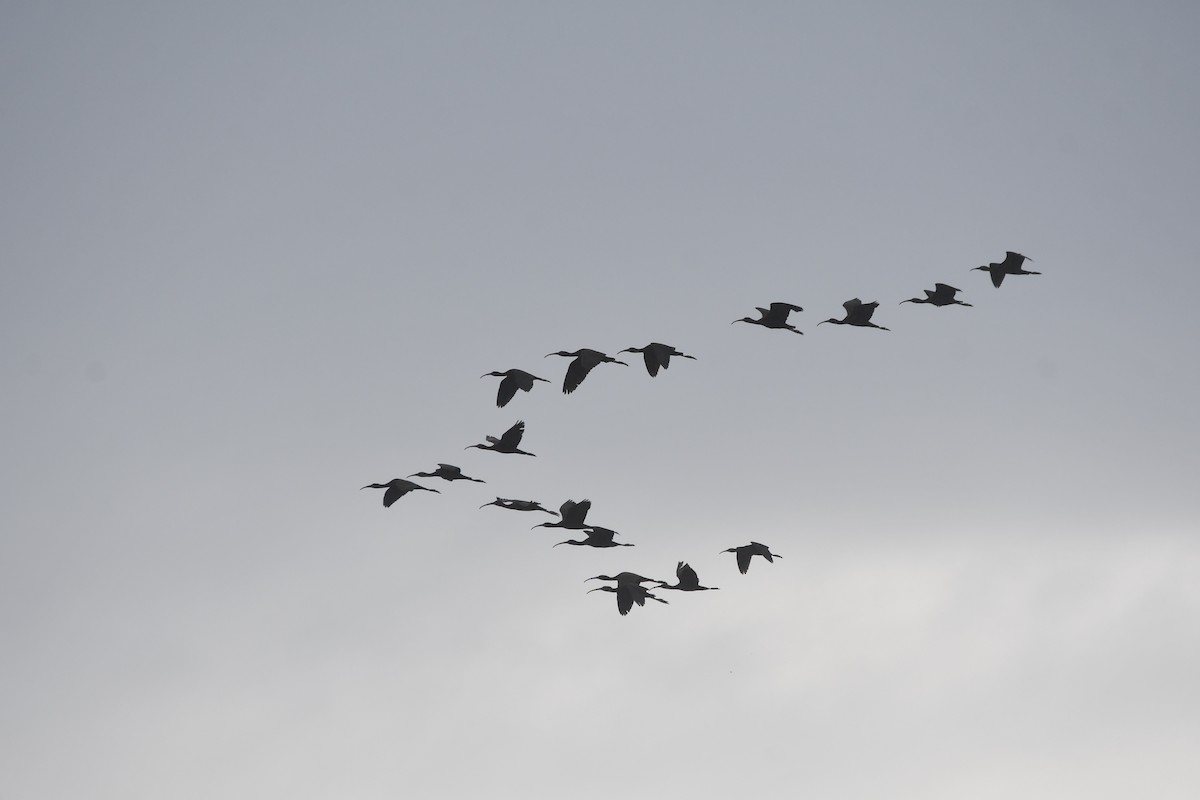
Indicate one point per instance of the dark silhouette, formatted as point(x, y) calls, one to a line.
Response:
point(1011, 265)
point(447, 472)
point(623, 577)
point(942, 295)
point(585, 361)
point(629, 590)
point(858, 314)
point(748, 551)
point(573, 515)
point(519, 505)
point(656, 355)
point(514, 379)
point(688, 580)
point(598, 537)
point(506, 443)
point(774, 317)
point(628, 594)
point(396, 488)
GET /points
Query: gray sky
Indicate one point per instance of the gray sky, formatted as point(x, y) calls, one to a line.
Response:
point(255, 258)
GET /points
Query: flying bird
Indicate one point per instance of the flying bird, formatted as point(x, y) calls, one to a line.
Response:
point(748, 551)
point(506, 443)
point(585, 361)
point(519, 505)
point(688, 580)
point(774, 317)
point(942, 295)
point(573, 515)
point(629, 590)
point(396, 488)
point(598, 537)
point(657, 355)
point(1011, 265)
point(628, 594)
point(858, 314)
point(447, 472)
point(514, 379)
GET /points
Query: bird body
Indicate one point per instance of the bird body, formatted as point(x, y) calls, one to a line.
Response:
point(858, 314)
point(942, 295)
point(774, 317)
point(748, 551)
point(397, 488)
point(688, 580)
point(519, 505)
point(585, 361)
point(514, 379)
point(657, 355)
point(506, 443)
point(447, 472)
point(1011, 265)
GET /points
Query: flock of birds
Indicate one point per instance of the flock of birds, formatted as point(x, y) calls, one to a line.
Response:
point(631, 588)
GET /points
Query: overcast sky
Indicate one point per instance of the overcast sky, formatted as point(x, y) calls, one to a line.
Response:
point(255, 256)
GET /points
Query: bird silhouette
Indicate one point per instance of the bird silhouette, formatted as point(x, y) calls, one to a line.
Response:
point(519, 505)
point(628, 594)
point(506, 443)
point(688, 580)
point(572, 514)
point(747, 551)
point(942, 295)
point(396, 488)
point(774, 317)
point(447, 472)
point(598, 537)
point(514, 379)
point(623, 577)
point(656, 355)
point(585, 361)
point(858, 314)
point(1011, 265)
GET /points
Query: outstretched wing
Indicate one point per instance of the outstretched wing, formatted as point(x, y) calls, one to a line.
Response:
point(945, 289)
point(625, 600)
point(512, 436)
point(779, 311)
point(686, 575)
point(743, 559)
point(395, 491)
point(449, 469)
point(577, 370)
point(573, 514)
point(997, 273)
point(1012, 260)
point(654, 359)
point(508, 389)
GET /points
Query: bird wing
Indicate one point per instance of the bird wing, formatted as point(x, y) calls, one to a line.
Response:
point(997, 273)
point(577, 370)
point(601, 535)
point(1012, 260)
point(945, 289)
point(508, 389)
point(867, 309)
point(512, 436)
point(743, 559)
point(654, 359)
point(625, 599)
point(780, 311)
point(686, 575)
point(575, 513)
point(851, 305)
point(395, 491)
point(449, 469)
